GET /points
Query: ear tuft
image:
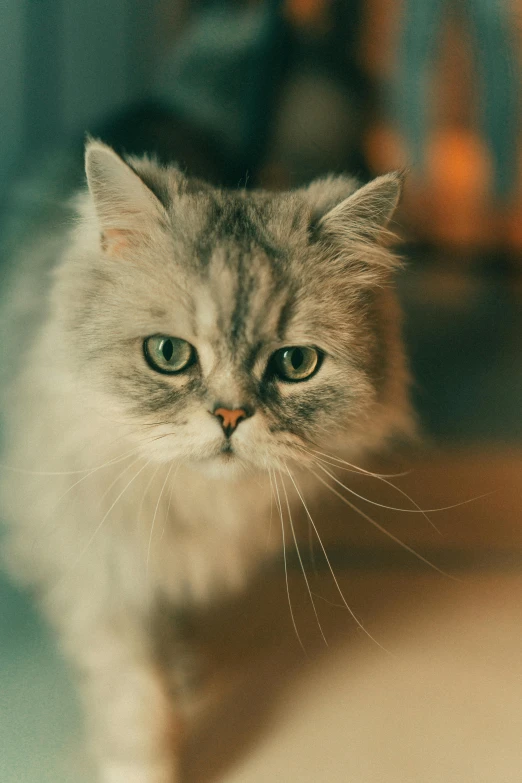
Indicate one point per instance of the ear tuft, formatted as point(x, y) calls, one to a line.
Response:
point(365, 214)
point(350, 223)
point(125, 207)
point(326, 193)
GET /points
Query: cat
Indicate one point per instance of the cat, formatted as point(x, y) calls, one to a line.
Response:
point(174, 356)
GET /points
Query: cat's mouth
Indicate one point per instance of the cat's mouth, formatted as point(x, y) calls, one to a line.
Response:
point(226, 450)
point(223, 463)
point(223, 454)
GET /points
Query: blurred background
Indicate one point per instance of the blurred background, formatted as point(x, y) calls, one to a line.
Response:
point(259, 93)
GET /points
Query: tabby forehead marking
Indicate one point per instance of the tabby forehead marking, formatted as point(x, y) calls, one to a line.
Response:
point(237, 302)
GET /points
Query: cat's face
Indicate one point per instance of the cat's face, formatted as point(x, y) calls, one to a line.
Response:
point(234, 330)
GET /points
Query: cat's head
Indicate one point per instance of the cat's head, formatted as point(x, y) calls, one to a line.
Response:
point(234, 328)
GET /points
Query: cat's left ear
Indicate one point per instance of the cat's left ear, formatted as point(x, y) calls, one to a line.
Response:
point(351, 224)
point(363, 215)
point(125, 207)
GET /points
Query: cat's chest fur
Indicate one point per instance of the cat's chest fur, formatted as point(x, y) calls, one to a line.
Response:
point(205, 535)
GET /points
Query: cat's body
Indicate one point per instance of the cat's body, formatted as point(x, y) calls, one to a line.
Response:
point(170, 501)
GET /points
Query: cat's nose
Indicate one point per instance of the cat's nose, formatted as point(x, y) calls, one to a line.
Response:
point(229, 419)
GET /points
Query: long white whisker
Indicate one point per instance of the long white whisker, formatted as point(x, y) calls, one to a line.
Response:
point(100, 524)
point(170, 500)
point(300, 559)
point(278, 503)
point(416, 510)
point(357, 468)
point(118, 477)
point(384, 476)
point(341, 594)
point(59, 522)
point(156, 512)
point(327, 600)
point(383, 529)
point(311, 547)
point(145, 491)
point(89, 471)
point(271, 510)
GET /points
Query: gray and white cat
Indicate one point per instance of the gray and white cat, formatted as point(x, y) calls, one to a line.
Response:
point(178, 352)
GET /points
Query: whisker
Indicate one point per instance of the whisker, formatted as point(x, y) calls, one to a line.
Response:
point(300, 559)
point(416, 510)
point(118, 477)
point(311, 548)
point(160, 437)
point(327, 601)
point(170, 500)
point(83, 478)
point(59, 522)
point(145, 491)
point(271, 510)
point(383, 529)
point(341, 594)
point(113, 461)
point(278, 503)
point(357, 468)
point(100, 524)
point(90, 471)
point(156, 512)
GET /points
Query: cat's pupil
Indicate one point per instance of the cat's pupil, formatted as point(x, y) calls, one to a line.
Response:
point(296, 357)
point(167, 350)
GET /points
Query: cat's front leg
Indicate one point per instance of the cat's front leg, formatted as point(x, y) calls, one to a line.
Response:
point(132, 723)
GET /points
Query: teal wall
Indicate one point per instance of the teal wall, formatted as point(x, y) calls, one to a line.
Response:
point(65, 64)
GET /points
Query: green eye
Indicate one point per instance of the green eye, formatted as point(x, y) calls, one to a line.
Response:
point(168, 354)
point(296, 363)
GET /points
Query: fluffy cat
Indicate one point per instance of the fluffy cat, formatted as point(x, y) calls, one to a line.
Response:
point(176, 349)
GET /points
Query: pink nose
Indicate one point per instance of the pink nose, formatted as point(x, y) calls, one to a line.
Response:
point(230, 419)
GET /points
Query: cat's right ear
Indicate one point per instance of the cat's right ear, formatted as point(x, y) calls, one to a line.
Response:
point(125, 207)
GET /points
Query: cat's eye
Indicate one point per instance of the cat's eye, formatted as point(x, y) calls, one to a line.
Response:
point(168, 354)
point(296, 363)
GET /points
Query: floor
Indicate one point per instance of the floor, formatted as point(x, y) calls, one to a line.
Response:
point(431, 689)
point(440, 702)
